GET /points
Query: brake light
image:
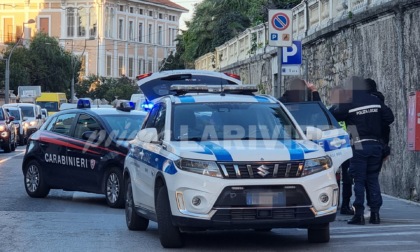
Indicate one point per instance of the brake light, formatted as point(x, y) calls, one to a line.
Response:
point(142, 76)
point(233, 76)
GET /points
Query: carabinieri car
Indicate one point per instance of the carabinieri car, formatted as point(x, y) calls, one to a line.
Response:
point(221, 157)
point(81, 149)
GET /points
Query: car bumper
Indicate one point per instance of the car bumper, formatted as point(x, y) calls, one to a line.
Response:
point(206, 202)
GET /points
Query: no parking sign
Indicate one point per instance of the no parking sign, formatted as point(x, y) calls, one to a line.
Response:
point(280, 27)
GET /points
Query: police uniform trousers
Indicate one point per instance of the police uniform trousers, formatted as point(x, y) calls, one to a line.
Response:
point(365, 166)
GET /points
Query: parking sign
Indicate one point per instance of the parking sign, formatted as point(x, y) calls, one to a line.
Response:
point(280, 27)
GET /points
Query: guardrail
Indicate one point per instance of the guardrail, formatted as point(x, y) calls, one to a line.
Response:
point(309, 17)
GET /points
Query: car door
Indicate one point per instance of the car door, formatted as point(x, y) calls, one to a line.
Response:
point(84, 172)
point(53, 143)
point(335, 140)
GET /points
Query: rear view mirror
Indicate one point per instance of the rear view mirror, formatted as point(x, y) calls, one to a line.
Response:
point(313, 133)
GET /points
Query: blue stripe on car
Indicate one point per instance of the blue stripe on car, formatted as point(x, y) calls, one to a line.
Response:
point(296, 152)
point(306, 150)
point(219, 152)
point(187, 99)
point(325, 143)
point(262, 99)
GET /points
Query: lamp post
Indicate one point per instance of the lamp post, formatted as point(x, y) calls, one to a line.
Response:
point(7, 74)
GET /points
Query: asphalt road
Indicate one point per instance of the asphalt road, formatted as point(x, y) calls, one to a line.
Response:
point(76, 221)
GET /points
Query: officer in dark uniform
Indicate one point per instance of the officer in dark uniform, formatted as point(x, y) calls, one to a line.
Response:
point(365, 115)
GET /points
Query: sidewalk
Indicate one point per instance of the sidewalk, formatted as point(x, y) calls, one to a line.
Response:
point(394, 210)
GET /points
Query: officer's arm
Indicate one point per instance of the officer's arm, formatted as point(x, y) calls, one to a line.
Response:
point(340, 112)
point(387, 115)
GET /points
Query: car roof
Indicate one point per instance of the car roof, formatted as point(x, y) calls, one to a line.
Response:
point(103, 111)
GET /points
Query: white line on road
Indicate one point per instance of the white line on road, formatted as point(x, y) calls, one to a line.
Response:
point(4, 160)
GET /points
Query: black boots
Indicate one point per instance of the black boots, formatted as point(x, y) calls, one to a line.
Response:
point(358, 219)
point(374, 218)
point(346, 210)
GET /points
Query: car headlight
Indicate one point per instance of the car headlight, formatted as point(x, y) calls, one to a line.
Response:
point(32, 123)
point(2, 128)
point(4, 134)
point(208, 168)
point(316, 165)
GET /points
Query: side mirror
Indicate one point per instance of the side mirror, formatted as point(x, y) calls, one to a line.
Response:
point(313, 133)
point(148, 135)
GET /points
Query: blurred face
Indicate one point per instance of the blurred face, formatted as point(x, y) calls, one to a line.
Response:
point(339, 95)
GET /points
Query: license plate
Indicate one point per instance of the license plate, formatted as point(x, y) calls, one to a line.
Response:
point(266, 198)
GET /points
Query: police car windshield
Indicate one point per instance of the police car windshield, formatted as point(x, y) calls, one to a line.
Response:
point(124, 126)
point(231, 121)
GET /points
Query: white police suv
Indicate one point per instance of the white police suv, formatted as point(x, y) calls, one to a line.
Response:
point(220, 157)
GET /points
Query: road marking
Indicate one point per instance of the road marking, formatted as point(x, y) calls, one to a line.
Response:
point(4, 160)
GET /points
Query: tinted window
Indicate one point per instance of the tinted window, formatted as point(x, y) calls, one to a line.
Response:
point(85, 123)
point(62, 124)
point(27, 111)
point(312, 114)
point(1, 114)
point(231, 121)
point(15, 113)
point(124, 126)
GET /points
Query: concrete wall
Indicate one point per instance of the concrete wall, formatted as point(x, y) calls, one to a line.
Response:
point(382, 43)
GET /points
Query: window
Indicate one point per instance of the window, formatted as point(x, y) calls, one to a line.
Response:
point(70, 22)
point(131, 9)
point(121, 66)
point(160, 35)
point(141, 66)
point(92, 22)
point(120, 29)
point(109, 19)
point(108, 65)
point(140, 32)
point(160, 16)
point(130, 67)
point(150, 13)
point(62, 124)
point(141, 11)
point(85, 123)
point(44, 25)
point(150, 66)
point(150, 33)
point(130, 30)
point(121, 7)
point(81, 23)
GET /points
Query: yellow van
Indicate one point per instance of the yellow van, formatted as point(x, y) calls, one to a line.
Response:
point(51, 101)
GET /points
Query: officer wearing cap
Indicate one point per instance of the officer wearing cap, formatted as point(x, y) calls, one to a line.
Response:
point(365, 115)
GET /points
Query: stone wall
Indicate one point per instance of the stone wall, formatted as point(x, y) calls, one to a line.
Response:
point(382, 43)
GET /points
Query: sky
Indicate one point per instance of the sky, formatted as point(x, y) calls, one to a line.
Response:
point(189, 4)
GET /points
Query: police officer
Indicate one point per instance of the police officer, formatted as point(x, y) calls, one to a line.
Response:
point(365, 115)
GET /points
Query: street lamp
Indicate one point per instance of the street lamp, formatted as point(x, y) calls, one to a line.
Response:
point(30, 21)
point(7, 74)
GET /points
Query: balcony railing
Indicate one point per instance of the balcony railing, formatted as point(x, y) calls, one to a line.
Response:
point(308, 18)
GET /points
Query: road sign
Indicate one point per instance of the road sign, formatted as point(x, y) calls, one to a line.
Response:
point(290, 70)
point(280, 27)
point(292, 55)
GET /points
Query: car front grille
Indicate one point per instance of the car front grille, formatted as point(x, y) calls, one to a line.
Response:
point(261, 170)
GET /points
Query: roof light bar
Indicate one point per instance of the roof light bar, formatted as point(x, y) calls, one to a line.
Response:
point(142, 76)
point(237, 89)
point(233, 76)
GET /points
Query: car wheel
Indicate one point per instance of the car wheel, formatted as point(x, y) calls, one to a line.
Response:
point(35, 181)
point(169, 235)
point(133, 220)
point(319, 233)
point(114, 188)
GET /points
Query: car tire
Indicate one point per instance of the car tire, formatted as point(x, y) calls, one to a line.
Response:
point(114, 188)
point(34, 180)
point(319, 233)
point(170, 236)
point(132, 219)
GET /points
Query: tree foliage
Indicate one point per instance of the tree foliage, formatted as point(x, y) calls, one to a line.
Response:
point(217, 21)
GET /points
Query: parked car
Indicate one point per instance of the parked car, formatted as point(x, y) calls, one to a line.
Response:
point(16, 112)
point(8, 131)
point(81, 149)
point(31, 115)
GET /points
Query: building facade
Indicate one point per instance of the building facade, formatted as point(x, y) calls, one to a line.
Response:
point(114, 38)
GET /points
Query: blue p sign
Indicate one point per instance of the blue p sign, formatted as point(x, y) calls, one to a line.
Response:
point(274, 36)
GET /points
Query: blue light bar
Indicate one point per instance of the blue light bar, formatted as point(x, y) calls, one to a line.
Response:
point(83, 103)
